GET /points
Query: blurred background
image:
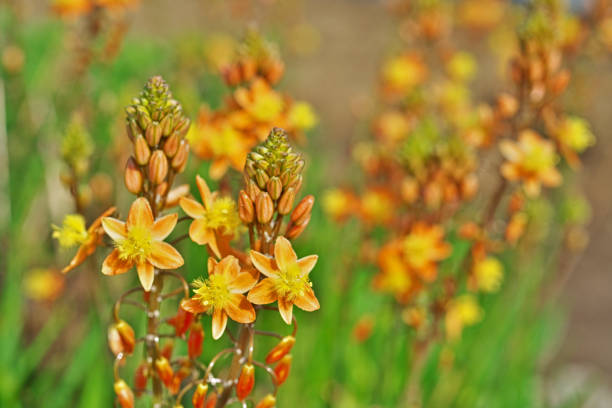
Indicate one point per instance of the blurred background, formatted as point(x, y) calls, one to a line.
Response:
point(53, 326)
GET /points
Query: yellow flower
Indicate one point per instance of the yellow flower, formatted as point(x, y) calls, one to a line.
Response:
point(462, 311)
point(217, 214)
point(302, 117)
point(72, 232)
point(462, 66)
point(424, 247)
point(575, 133)
point(376, 206)
point(43, 284)
point(489, 274)
point(222, 294)
point(532, 160)
point(139, 242)
point(338, 203)
point(260, 101)
point(286, 280)
point(393, 126)
point(403, 73)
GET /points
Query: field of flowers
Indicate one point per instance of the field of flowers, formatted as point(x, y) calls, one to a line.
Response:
point(284, 203)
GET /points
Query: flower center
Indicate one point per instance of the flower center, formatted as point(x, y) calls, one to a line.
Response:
point(538, 159)
point(213, 292)
point(417, 249)
point(266, 106)
point(223, 214)
point(72, 232)
point(137, 246)
point(291, 283)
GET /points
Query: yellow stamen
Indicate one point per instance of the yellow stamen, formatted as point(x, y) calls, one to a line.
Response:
point(72, 232)
point(137, 246)
point(223, 214)
point(212, 292)
point(291, 283)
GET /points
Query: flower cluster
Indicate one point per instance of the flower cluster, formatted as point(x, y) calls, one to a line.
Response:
point(241, 283)
point(253, 107)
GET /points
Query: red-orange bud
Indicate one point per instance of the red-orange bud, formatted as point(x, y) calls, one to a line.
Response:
point(280, 350)
point(121, 338)
point(245, 207)
point(141, 376)
point(194, 342)
point(125, 396)
point(282, 369)
point(158, 167)
point(285, 203)
point(302, 210)
point(211, 401)
point(269, 401)
point(133, 177)
point(164, 371)
point(245, 381)
point(167, 350)
point(181, 321)
point(199, 395)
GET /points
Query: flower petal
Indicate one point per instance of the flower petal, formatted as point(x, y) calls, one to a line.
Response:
point(283, 253)
point(286, 310)
point(146, 274)
point(204, 191)
point(114, 228)
point(240, 309)
point(165, 256)
point(228, 266)
point(308, 301)
point(307, 263)
point(113, 265)
point(242, 283)
point(192, 208)
point(218, 168)
point(264, 264)
point(193, 306)
point(219, 321)
point(162, 227)
point(140, 214)
point(82, 253)
point(98, 221)
point(263, 293)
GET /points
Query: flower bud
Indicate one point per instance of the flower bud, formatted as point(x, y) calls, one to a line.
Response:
point(559, 82)
point(199, 395)
point(142, 153)
point(194, 342)
point(164, 371)
point(166, 125)
point(302, 210)
point(180, 159)
point(282, 369)
point(141, 377)
point(274, 187)
point(280, 350)
point(245, 208)
point(295, 230)
point(158, 167)
point(507, 105)
point(252, 190)
point(133, 177)
point(121, 338)
point(245, 381)
point(269, 401)
point(171, 145)
point(181, 321)
point(153, 134)
point(167, 350)
point(161, 189)
point(285, 204)
point(262, 178)
point(125, 396)
point(264, 207)
point(211, 401)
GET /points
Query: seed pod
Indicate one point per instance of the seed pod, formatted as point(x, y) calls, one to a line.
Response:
point(142, 153)
point(245, 381)
point(180, 159)
point(164, 371)
point(199, 395)
point(125, 396)
point(133, 177)
point(269, 401)
point(171, 145)
point(264, 207)
point(274, 187)
point(280, 350)
point(285, 204)
point(245, 208)
point(282, 369)
point(153, 134)
point(194, 342)
point(303, 209)
point(158, 167)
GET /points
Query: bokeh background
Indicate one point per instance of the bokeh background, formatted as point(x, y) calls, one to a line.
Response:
point(52, 351)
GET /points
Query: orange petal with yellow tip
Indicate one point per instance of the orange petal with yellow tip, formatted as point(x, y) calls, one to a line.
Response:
point(204, 191)
point(228, 266)
point(308, 301)
point(165, 256)
point(163, 226)
point(307, 263)
point(146, 274)
point(194, 306)
point(241, 283)
point(192, 208)
point(264, 264)
point(263, 293)
point(240, 309)
point(286, 310)
point(82, 253)
point(283, 253)
point(140, 214)
point(219, 321)
point(114, 228)
point(113, 265)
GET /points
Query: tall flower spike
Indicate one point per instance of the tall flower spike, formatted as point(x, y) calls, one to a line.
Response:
point(139, 242)
point(286, 280)
point(222, 294)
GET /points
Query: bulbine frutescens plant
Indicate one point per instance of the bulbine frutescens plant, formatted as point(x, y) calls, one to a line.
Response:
point(429, 184)
point(245, 276)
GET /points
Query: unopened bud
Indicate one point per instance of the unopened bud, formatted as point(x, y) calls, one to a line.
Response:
point(262, 178)
point(121, 338)
point(141, 377)
point(274, 187)
point(153, 134)
point(171, 145)
point(167, 350)
point(125, 396)
point(175, 195)
point(162, 189)
point(181, 321)
point(245, 381)
point(282, 369)
point(199, 395)
point(142, 153)
point(166, 125)
point(252, 190)
point(280, 350)
point(133, 177)
point(302, 210)
point(180, 159)
point(507, 105)
point(469, 186)
point(559, 82)
point(211, 401)
point(158, 167)
point(245, 208)
point(164, 371)
point(285, 204)
point(269, 401)
point(194, 342)
point(295, 230)
point(264, 207)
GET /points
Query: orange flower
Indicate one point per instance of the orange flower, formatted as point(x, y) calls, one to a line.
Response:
point(262, 102)
point(71, 8)
point(222, 294)
point(95, 232)
point(424, 247)
point(287, 280)
point(139, 242)
point(217, 215)
point(531, 159)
